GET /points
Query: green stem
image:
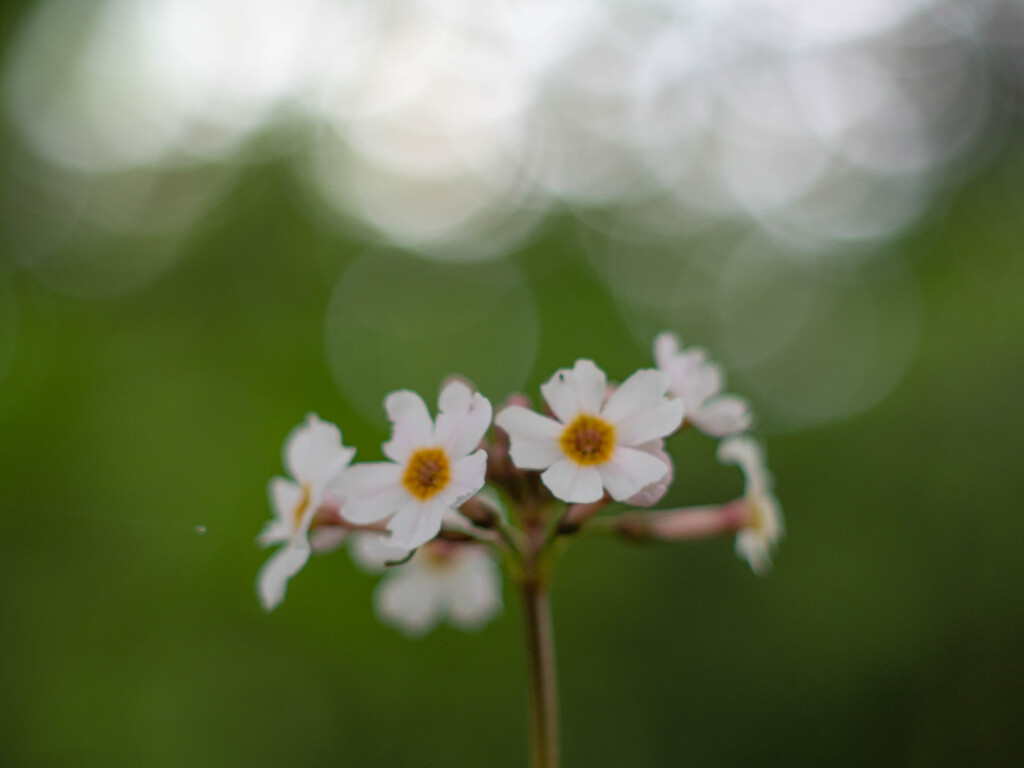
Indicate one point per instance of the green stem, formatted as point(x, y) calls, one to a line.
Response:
point(540, 647)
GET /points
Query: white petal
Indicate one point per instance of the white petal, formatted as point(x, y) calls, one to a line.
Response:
point(748, 456)
point(655, 419)
point(681, 369)
point(773, 525)
point(285, 497)
point(463, 419)
point(640, 412)
point(694, 379)
point(573, 391)
point(273, 578)
point(722, 416)
point(416, 523)
point(534, 439)
point(313, 452)
point(651, 494)
point(467, 477)
point(326, 538)
point(474, 589)
point(666, 346)
point(455, 396)
point(641, 391)
point(629, 471)
point(275, 532)
point(751, 548)
point(707, 381)
point(408, 599)
point(411, 427)
point(689, 359)
point(372, 553)
point(572, 482)
point(371, 491)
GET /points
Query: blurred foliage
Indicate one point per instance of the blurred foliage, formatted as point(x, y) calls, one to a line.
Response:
point(889, 633)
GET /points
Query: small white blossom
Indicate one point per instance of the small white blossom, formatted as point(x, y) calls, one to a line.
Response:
point(459, 582)
point(756, 541)
point(591, 445)
point(432, 469)
point(698, 382)
point(313, 455)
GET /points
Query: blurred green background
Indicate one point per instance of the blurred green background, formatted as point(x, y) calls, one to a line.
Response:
point(889, 633)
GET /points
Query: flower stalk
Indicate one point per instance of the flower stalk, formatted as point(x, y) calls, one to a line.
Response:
point(540, 660)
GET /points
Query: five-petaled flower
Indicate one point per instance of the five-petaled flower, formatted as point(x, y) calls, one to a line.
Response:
point(313, 455)
point(698, 382)
point(756, 540)
point(433, 467)
point(459, 582)
point(593, 446)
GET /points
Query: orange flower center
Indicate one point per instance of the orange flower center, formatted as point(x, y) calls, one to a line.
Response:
point(588, 440)
point(427, 472)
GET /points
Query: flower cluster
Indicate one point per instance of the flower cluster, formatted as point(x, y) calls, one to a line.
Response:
point(459, 493)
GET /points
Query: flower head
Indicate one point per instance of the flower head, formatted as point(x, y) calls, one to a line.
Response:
point(313, 455)
point(755, 541)
point(432, 469)
point(698, 382)
point(459, 582)
point(593, 445)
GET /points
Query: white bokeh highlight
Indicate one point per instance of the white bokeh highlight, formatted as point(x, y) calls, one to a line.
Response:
point(452, 127)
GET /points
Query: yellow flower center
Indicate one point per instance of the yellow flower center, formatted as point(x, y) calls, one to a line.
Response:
point(427, 472)
point(757, 516)
point(301, 507)
point(588, 440)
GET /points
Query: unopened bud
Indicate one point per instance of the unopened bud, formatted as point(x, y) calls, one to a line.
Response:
point(698, 522)
point(686, 523)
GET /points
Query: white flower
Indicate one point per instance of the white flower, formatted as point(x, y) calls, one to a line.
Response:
point(457, 581)
point(590, 447)
point(756, 541)
point(431, 470)
point(698, 382)
point(313, 454)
